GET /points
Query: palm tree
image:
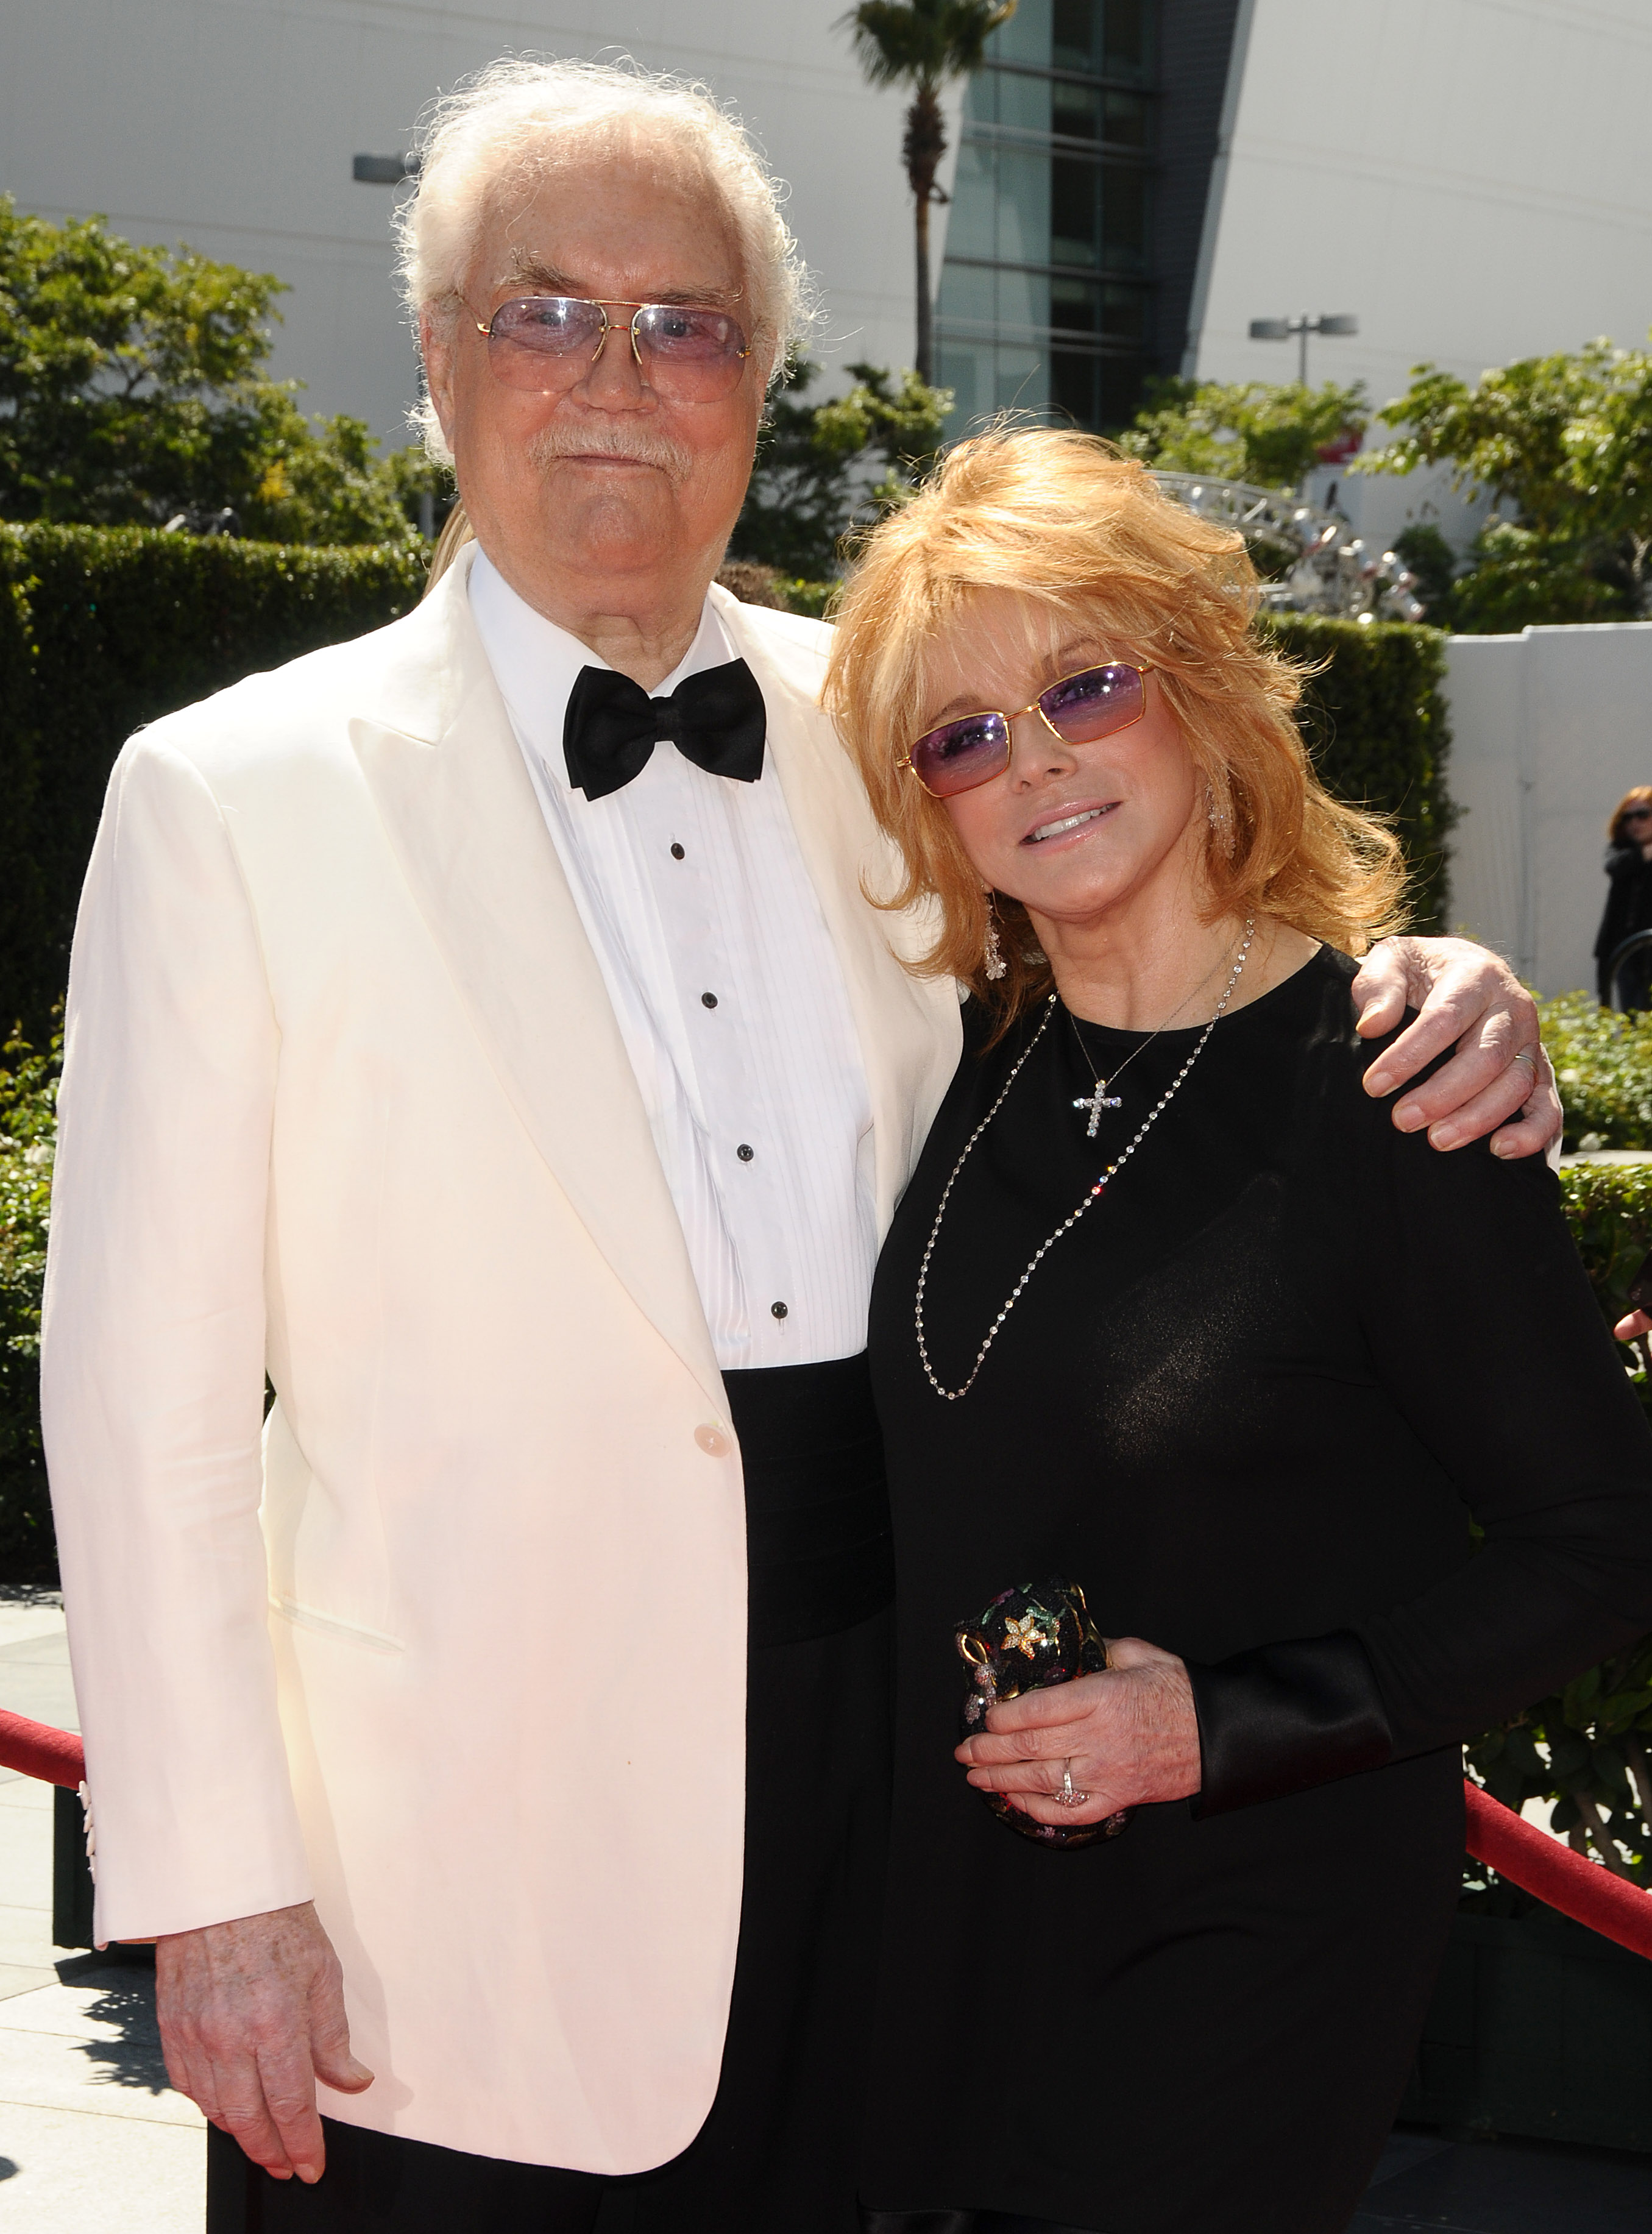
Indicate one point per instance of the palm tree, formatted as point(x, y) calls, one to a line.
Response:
point(923, 44)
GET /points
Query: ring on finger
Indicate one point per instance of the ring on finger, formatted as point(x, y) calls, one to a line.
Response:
point(1069, 1795)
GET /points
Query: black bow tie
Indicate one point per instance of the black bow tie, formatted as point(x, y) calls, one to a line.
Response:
point(715, 719)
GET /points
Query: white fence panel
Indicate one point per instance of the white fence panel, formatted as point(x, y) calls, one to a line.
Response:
point(1549, 730)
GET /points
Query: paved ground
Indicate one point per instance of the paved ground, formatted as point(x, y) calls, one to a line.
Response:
point(92, 2139)
point(93, 2142)
point(1504, 2187)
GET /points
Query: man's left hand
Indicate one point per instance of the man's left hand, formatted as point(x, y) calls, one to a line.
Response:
point(1499, 1077)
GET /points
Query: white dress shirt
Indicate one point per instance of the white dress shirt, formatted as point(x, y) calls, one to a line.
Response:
point(730, 998)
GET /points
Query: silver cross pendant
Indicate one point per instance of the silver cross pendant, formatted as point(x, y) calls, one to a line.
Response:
point(1095, 1103)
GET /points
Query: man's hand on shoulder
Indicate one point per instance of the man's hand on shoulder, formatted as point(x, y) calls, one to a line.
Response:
point(251, 2014)
point(1498, 1081)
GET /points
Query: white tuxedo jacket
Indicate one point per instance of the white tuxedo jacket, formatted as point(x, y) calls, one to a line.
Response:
point(455, 1643)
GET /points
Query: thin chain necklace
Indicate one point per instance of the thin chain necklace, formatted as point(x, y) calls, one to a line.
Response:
point(1100, 1099)
point(1092, 1194)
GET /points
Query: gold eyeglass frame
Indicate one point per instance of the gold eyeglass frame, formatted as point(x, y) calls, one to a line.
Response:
point(605, 303)
point(1035, 707)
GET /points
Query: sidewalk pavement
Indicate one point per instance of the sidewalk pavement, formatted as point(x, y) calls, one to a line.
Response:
point(93, 2140)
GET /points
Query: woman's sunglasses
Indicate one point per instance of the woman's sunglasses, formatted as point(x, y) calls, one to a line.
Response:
point(544, 342)
point(1079, 708)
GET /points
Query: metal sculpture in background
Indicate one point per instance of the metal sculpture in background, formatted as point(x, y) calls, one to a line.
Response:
point(1309, 560)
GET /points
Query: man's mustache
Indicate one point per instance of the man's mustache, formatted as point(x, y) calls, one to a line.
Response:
point(637, 446)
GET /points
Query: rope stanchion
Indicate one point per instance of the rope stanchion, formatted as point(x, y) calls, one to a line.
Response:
point(1581, 1889)
point(37, 1750)
point(1496, 1835)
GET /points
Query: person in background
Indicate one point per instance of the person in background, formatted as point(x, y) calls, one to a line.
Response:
point(1628, 900)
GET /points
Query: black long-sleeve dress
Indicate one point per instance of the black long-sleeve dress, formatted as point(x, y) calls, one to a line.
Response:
point(1248, 1404)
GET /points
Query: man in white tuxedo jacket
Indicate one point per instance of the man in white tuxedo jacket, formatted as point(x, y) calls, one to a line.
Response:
point(481, 1029)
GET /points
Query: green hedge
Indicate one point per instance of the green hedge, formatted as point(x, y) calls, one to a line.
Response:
point(28, 1132)
point(102, 629)
point(1602, 1059)
point(1375, 723)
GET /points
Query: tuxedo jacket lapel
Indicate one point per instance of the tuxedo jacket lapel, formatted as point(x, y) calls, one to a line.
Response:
point(908, 1027)
point(458, 806)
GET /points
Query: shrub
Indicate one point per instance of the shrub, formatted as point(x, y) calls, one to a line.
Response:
point(28, 1131)
point(103, 629)
point(1603, 1061)
point(1374, 719)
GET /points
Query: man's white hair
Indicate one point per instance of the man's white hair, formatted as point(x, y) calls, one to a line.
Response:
point(488, 143)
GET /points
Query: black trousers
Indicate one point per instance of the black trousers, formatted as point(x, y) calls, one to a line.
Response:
point(777, 2153)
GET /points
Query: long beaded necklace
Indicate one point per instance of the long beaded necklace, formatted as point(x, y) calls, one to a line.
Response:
point(1092, 1194)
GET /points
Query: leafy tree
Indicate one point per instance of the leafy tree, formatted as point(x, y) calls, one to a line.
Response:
point(1433, 562)
point(1251, 431)
point(923, 45)
point(824, 469)
point(132, 391)
point(1563, 445)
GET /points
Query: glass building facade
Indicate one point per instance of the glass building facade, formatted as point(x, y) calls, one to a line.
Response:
point(1046, 297)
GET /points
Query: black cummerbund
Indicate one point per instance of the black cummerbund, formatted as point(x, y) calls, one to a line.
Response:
point(819, 1551)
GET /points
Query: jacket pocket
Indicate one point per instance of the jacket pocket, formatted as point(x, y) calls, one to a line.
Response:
point(327, 1624)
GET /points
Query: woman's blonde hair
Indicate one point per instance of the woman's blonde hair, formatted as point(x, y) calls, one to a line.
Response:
point(1084, 538)
point(1640, 796)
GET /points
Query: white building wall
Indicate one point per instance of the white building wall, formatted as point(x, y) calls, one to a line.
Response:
point(231, 124)
point(1549, 730)
point(1469, 177)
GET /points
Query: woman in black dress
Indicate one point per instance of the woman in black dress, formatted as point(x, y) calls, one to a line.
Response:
point(1628, 900)
point(1249, 1413)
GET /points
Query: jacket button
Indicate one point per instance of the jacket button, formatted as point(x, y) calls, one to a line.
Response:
point(712, 1440)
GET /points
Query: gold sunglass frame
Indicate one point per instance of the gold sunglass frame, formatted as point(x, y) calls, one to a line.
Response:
point(1035, 706)
point(605, 303)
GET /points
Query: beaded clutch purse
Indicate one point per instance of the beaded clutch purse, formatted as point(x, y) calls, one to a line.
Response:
point(1027, 1639)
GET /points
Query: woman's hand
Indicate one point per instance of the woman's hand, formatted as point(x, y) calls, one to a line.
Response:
point(1129, 1737)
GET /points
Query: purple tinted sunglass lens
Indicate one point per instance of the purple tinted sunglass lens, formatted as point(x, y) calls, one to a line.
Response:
point(961, 754)
point(1084, 707)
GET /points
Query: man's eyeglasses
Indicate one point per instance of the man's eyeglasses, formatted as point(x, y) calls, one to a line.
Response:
point(1093, 702)
point(544, 342)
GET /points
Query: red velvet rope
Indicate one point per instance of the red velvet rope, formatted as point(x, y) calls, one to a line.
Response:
point(1496, 1835)
point(54, 1756)
point(1517, 1850)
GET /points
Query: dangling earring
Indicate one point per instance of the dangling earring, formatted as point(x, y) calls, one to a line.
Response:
point(1219, 816)
point(995, 964)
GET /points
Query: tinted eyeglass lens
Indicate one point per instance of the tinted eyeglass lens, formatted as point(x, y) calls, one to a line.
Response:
point(1094, 702)
point(545, 325)
point(961, 754)
point(689, 336)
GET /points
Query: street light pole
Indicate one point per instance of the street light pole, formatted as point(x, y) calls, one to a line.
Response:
point(1280, 329)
